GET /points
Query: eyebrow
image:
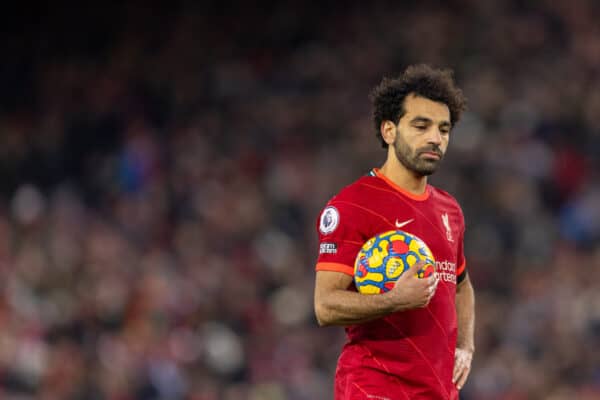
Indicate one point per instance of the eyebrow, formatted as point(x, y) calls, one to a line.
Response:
point(428, 121)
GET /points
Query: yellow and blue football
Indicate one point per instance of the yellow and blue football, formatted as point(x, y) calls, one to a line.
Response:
point(385, 257)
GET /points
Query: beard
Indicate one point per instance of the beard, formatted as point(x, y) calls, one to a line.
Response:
point(412, 159)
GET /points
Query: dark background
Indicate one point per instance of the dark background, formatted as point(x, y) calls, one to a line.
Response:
point(162, 168)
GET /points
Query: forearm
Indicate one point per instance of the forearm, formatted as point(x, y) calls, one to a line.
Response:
point(465, 313)
point(344, 307)
point(336, 305)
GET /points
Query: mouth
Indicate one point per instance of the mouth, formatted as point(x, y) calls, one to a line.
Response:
point(431, 154)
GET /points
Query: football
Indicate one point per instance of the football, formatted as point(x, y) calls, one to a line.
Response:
point(384, 257)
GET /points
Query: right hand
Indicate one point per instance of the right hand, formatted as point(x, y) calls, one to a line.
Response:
point(411, 292)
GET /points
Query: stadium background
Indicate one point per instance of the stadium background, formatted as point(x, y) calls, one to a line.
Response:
point(162, 169)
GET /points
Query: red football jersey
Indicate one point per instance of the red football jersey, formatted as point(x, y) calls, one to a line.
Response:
point(414, 349)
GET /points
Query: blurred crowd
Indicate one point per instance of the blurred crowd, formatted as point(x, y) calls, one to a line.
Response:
point(163, 168)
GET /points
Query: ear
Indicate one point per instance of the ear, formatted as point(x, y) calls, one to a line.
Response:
point(388, 131)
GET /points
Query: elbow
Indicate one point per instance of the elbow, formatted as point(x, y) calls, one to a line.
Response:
point(322, 322)
point(321, 315)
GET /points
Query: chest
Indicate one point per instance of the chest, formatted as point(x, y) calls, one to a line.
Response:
point(438, 224)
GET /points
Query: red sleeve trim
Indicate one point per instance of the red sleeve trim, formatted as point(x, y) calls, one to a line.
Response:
point(461, 269)
point(336, 267)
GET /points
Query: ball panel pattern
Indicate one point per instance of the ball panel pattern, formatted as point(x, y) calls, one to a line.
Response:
point(385, 257)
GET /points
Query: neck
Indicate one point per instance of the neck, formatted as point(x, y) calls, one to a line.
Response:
point(403, 177)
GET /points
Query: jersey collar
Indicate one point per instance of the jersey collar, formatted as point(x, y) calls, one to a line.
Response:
point(418, 197)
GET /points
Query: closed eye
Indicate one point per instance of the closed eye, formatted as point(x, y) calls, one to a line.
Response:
point(421, 127)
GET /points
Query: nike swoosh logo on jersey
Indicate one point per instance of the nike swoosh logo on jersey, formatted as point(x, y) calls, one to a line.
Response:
point(403, 223)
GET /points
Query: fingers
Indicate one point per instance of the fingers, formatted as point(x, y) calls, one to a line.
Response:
point(432, 283)
point(429, 286)
point(462, 376)
point(426, 287)
point(412, 291)
point(458, 369)
point(411, 273)
point(462, 367)
point(414, 269)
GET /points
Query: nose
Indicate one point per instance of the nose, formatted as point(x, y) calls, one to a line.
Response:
point(435, 136)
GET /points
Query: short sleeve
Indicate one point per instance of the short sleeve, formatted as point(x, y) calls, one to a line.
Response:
point(461, 270)
point(340, 238)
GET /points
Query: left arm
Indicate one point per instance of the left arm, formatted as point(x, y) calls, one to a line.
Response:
point(465, 343)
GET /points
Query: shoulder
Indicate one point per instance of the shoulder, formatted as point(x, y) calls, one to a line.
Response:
point(446, 199)
point(443, 196)
point(348, 205)
point(356, 191)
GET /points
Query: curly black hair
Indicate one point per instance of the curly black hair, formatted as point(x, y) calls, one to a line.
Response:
point(421, 80)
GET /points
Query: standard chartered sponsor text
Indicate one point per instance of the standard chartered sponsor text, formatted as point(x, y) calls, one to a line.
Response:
point(446, 270)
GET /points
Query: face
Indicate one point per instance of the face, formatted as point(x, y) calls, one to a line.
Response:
point(421, 137)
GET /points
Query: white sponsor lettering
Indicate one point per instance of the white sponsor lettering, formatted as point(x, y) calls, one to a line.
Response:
point(446, 270)
point(327, 248)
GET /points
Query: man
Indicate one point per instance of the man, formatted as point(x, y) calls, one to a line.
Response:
point(416, 340)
